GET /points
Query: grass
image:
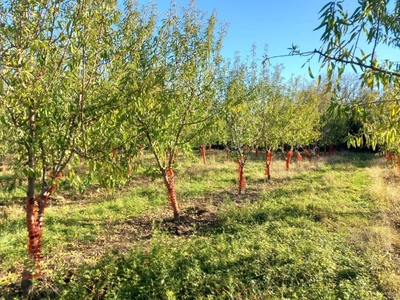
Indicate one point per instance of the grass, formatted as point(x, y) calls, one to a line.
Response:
point(328, 229)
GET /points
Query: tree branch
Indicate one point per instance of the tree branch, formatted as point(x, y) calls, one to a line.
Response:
point(356, 63)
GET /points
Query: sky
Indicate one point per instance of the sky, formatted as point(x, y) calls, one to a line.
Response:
point(275, 23)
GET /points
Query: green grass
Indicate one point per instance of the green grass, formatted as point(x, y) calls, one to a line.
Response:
point(323, 230)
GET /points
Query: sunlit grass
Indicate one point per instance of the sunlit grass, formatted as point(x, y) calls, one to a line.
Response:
point(323, 230)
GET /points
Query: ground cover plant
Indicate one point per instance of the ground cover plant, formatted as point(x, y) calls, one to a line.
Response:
point(326, 229)
point(86, 86)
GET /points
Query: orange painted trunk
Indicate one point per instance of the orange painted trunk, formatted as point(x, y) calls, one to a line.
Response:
point(241, 180)
point(203, 154)
point(35, 218)
point(169, 181)
point(308, 154)
point(33, 230)
point(299, 157)
point(268, 157)
point(332, 149)
point(288, 158)
point(389, 156)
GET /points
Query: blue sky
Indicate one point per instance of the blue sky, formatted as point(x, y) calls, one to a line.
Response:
point(276, 23)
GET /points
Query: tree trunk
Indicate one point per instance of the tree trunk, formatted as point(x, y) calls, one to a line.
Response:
point(169, 181)
point(203, 154)
point(268, 156)
point(288, 158)
point(31, 222)
point(299, 157)
point(228, 153)
point(389, 156)
point(308, 154)
point(241, 175)
point(332, 150)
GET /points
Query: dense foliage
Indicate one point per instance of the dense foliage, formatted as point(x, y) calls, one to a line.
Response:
point(86, 83)
point(354, 39)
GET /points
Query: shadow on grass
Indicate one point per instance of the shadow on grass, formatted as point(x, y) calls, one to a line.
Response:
point(286, 214)
point(357, 159)
point(193, 220)
point(196, 219)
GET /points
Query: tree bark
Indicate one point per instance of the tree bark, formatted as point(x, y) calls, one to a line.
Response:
point(268, 157)
point(169, 181)
point(203, 154)
point(241, 181)
point(288, 158)
point(31, 222)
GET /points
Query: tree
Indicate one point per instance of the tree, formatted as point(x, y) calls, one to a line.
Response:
point(302, 126)
point(371, 25)
point(54, 58)
point(274, 115)
point(170, 94)
point(354, 39)
point(334, 125)
point(127, 72)
point(240, 104)
point(289, 113)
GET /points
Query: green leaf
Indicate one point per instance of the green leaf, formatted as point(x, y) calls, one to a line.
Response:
point(324, 23)
point(373, 144)
point(354, 68)
point(310, 72)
